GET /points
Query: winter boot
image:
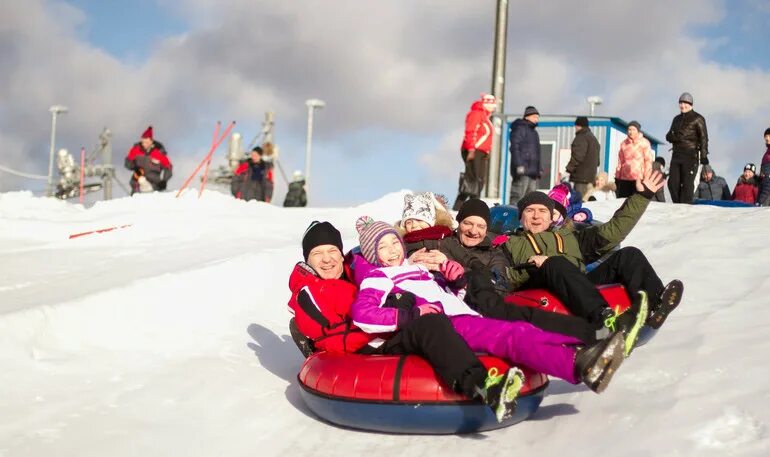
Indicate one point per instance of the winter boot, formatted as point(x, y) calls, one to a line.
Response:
point(596, 364)
point(629, 323)
point(304, 344)
point(500, 391)
point(669, 300)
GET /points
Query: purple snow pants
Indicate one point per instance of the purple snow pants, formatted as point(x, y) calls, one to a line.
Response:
point(520, 343)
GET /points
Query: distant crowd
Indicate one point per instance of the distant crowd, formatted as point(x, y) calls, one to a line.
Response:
point(251, 180)
point(688, 136)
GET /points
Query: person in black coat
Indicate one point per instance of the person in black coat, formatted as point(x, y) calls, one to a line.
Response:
point(584, 159)
point(689, 138)
point(525, 154)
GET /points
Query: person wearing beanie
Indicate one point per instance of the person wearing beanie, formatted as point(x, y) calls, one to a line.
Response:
point(525, 154)
point(149, 163)
point(747, 188)
point(711, 186)
point(635, 158)
point(689, 140)
point(558, 256)
point(584, 158)
point(519, 342)
point(296, 195)
point(425, 224)
point(249, 179)
point(476, 144)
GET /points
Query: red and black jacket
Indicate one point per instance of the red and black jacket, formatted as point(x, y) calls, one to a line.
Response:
point(321, 308)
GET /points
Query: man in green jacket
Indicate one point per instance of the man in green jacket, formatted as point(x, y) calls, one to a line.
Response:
point(555, 257)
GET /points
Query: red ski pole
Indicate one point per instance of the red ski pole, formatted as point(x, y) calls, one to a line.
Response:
point(82, 171)
point(210, 153)
point(208, 162)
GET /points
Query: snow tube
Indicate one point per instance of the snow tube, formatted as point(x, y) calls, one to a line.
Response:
point(401, 394)
point(614, 294)
point(723, 203)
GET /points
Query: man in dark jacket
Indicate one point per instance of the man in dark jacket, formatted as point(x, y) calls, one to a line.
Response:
point(249, 178)
point(558, 256)
point(712, 187)
point(296, 197)
point(585, 157)
point(525, 154)
point(689, 138)
point(150, 164)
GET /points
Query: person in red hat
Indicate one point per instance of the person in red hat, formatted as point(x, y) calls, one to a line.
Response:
point(149, 162)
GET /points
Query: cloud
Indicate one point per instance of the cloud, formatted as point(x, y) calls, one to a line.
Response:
point(406, 67)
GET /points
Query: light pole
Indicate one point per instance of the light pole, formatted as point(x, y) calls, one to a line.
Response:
point(312, 104)
point(593, 100)
point(498, 90)
point(55, 110)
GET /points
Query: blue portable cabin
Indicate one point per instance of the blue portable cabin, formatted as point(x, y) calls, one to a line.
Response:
point(556, 135)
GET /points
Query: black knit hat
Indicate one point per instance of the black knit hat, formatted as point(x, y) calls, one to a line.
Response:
point(767, 132)
point(530, 110)
point(473, 207)
point(534, 198)
point(318, 234)
point(256, 149)
point(581, 121)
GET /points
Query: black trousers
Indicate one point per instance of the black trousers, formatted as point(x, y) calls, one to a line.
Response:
point(475, 171)
point(681, 176)
point(433, 338)
point(577, 291)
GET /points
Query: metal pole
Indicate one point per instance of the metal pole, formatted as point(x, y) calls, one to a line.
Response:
point(498, 90)
point(267, 127)
point(307, 146)
point(107, 161)
point(49, 186)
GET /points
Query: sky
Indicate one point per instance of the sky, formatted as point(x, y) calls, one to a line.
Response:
point(170, 337)
point(397, 77)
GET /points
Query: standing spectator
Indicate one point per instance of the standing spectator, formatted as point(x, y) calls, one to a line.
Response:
point(269, 155)
point(747, 188)
point(689, 138)
point(712, 187)
point(584, 159)
point(603, 189)
point(151, 167)
point(764, 192)
point(475, 148)
point(525, 154)
point(296, 197)
point(634, 160)
point(659, 165)
point(249, 178)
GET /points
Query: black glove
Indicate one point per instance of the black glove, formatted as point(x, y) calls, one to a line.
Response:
point(403, 301)
point(704, 160)
point(161, 185)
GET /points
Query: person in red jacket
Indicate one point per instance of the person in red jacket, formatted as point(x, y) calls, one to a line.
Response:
point(747, 188)
point(475, 148)
point(149, 162)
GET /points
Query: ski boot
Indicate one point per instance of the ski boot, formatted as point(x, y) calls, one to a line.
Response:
point(669, 300)
point(596, 364)
point(500, 391)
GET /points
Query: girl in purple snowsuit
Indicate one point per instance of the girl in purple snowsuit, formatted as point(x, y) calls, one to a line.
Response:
point(381, 270)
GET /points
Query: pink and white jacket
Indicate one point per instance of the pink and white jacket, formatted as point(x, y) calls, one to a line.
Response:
point(368, 312)
point(634, 158)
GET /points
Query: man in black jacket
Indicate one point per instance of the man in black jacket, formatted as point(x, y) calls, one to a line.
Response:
point(525, 154)
point(689, 138)
point(584, 159)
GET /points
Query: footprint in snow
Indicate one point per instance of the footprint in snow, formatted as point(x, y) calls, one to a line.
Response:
point(731, 429)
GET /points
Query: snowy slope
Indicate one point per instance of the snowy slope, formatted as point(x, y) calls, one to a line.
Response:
point(169, 337)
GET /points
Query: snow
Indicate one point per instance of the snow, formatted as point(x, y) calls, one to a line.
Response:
point(169, 337)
